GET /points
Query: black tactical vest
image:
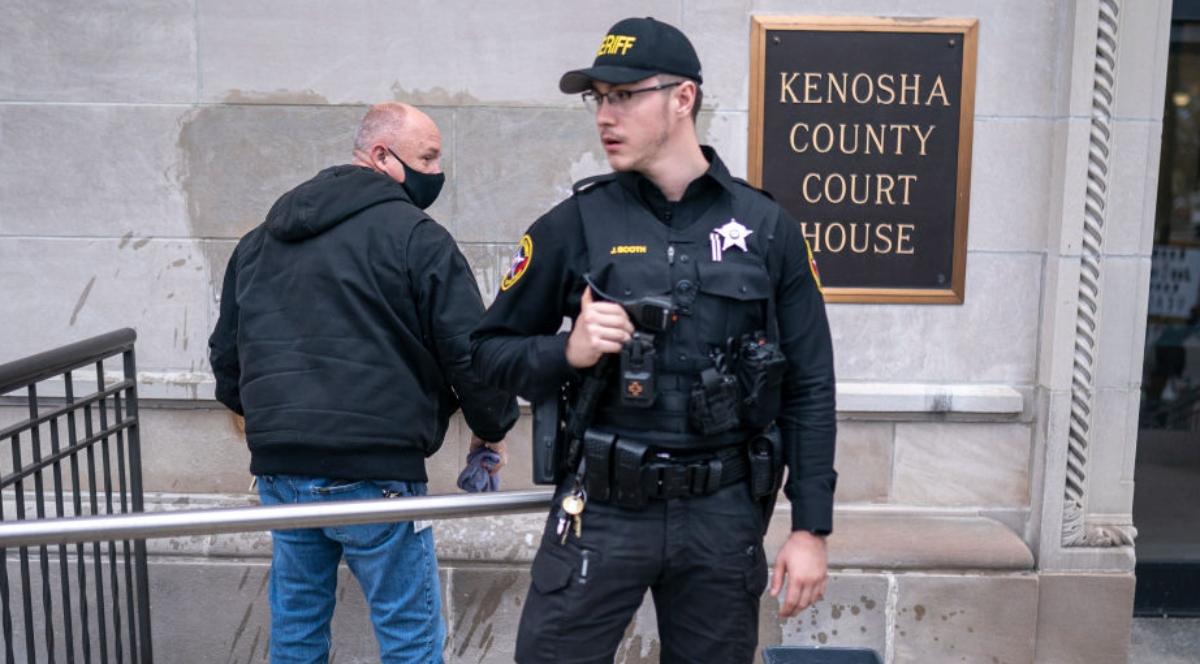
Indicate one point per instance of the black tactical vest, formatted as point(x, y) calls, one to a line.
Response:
point(718, 295)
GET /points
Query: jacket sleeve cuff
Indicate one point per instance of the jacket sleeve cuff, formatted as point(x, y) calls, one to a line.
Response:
point(812, 507)
point(506, 415)
point(232, 400)
point(552, 355)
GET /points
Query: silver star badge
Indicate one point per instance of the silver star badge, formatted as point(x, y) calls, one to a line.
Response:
point(734, 234)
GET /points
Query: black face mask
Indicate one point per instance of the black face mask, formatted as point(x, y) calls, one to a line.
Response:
point(422, 188)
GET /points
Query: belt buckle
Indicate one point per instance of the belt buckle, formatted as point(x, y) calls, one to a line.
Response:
point(674, 481)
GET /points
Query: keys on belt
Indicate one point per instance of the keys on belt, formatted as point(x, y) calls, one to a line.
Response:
point(571, 515)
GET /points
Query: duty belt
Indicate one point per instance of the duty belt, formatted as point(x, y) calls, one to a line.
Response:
point(626, 472)
point(666, 478)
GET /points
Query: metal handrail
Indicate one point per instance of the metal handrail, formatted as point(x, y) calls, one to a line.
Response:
point(248, 519)
point(19, 373)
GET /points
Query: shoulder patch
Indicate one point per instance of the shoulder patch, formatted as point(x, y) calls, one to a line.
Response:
point(587, 183)
point(812, 267)
point(764, 192)
point(519, 264)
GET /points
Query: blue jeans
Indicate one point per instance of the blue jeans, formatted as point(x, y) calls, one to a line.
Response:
point(396, 567)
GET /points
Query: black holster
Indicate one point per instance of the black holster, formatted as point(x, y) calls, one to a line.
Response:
point(598, 452)
point(765, 453)
point(549, 441)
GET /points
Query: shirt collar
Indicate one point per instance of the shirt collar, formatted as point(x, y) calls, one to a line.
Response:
point(639, 184)
point(716, 168)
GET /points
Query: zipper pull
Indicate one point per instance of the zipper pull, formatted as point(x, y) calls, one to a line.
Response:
point(671, 255)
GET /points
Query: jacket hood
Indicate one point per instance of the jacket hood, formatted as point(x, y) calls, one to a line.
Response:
point(332, 196)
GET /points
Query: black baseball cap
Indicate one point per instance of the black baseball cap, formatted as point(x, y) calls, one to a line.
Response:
point(634, 49)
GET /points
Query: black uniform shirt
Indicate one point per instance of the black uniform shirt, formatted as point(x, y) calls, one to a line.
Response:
point(517, 345)
point(700, 194)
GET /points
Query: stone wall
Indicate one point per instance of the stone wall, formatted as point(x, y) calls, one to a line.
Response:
point(181, 123)
point(138, 142)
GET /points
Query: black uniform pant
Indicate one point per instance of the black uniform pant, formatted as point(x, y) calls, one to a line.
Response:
point(701, 557)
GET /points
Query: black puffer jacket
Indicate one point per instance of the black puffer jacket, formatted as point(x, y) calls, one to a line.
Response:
point(344, 334)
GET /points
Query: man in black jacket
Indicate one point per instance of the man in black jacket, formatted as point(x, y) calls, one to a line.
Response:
point(343, 339)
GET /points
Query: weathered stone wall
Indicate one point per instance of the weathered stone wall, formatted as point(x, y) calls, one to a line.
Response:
point(138, 142)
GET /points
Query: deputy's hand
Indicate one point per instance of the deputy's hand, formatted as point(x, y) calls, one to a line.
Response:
point(601, 327)
point(803, 559)
point(498, 447)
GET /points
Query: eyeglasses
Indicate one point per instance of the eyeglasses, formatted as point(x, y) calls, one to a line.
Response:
point(618, 100)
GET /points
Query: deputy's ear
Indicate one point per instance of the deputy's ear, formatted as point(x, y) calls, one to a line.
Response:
point(686, 97)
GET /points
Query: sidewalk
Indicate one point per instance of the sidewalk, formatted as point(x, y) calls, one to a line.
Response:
point(1165, 641)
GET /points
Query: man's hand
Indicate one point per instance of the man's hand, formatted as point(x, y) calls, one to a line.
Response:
point(498, 447)
point(803, 559)
point(602, 327)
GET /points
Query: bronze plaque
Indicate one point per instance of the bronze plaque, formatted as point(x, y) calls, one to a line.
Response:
point(861, 129)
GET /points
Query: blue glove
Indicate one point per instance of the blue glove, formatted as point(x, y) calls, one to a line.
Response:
point(475, 477)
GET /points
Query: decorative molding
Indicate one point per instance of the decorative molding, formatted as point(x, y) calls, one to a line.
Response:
point(1076, 531)
point(923, 398)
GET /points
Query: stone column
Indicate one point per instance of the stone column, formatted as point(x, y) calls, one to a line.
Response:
point(1098, 246)
point(1098, 269)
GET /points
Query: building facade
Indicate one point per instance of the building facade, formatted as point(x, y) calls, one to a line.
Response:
point(986, 449)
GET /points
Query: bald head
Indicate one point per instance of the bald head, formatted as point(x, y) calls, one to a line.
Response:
point(402, 129)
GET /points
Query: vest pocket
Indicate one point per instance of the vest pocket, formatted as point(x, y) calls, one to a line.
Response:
point(733, 300)
point(634, 277)
point(736, 280)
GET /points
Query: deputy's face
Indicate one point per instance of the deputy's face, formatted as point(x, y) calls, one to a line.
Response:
point(633, 130)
